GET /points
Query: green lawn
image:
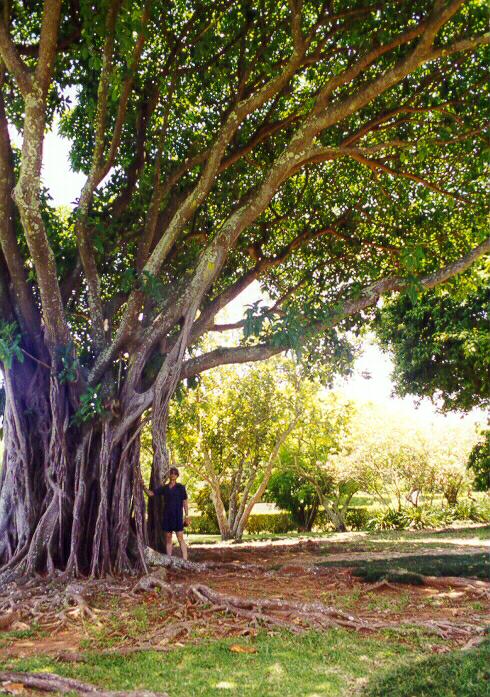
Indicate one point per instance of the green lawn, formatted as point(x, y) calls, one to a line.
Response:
point(409, 569)
point(374, 540)
point(459, 674)
point(336, 663)
point(477, 532)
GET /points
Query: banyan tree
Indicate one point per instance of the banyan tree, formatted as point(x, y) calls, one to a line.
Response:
point(332, 151)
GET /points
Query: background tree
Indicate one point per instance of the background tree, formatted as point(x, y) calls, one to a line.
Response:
point(402, 461)
point(332, 150)
point(290, 492)
point(440, 342)
point(311, 454)
point(229, 431)
point(479, 462)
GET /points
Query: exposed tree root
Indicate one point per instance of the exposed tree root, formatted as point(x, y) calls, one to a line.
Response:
point(297, 616)
point(49, 682)
point(154, 558)
point(7, 620)
point(475, 587)
point(74, 593)
point(380, 585)
point(183, 608)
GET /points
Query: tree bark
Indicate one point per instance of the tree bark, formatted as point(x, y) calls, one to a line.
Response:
point(70, 499)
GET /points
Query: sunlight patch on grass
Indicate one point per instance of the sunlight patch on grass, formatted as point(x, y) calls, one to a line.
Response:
point(283, 664)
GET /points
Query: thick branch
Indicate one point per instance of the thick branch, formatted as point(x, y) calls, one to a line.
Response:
point(368, 297)
point(28, 185)
point(226, 356)
point(15, 64)
point(23, 299)
point(47, 44)
point(85, 247)
point(375, 165)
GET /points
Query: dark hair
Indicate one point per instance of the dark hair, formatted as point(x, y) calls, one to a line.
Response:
point(174, 470)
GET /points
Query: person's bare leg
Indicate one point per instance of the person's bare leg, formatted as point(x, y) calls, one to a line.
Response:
point(183, 546)
point(168, 543)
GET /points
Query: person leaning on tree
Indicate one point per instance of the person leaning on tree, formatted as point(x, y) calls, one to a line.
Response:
point(175, 504)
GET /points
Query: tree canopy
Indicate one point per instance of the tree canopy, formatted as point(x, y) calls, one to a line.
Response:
point(441, 344)
point(320, 147)
point(334, 151)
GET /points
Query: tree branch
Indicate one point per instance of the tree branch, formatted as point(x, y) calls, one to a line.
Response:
point(47, 44)
point(14, 63)
point(23, 300)
point(368, 297)
point(375, 165)
point(28, 186)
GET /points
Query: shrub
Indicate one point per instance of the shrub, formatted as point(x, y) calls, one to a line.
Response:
point(291, 493)
point(358, 518)
point(323, 522)
point(276, 523)
point(428, 517)
point(203, 525)
point(479, 463)
point(421, 517)
point(387, 519)
point(467, 509)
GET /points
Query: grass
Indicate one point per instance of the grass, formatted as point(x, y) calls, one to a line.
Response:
point(458, 674)
point(409, 569)
point(119, 626)
point(396, 540)
point(313, 664)
point(7, 638)
point(378, 603)
point(477, 532)
point(334, 664)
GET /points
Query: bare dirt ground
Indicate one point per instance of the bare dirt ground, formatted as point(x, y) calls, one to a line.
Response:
point(238, 590)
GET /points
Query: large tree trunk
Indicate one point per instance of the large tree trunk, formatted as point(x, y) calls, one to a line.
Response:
point(70, 499)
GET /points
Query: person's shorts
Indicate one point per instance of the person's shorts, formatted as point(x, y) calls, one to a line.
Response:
point(173, 528)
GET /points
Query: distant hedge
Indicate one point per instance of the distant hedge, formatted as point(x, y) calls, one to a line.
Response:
point(272, 523)
point(359, 518)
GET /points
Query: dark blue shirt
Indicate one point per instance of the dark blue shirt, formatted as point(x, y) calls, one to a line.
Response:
point(173, 497)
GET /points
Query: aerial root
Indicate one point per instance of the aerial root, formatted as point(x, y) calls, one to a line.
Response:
point(49, 682)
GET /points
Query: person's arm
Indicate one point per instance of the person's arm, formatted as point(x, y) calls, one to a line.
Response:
point(153, 492)
point(186, 508)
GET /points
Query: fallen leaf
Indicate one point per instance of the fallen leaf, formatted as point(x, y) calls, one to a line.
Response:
point(238, 648)
point(6, 620)
point(15, 688)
